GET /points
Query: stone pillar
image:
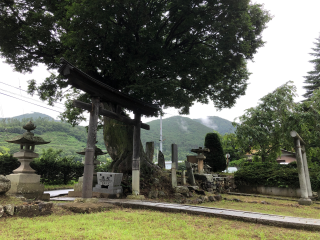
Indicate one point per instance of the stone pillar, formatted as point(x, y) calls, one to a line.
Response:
point(306, 170)
point(304, 200)
point(136, 155)
point(161, 160)
point(174, 176)
point(183, 178)
point(174, 155)
point(191, 179)
point(90, 150)
point(150, 150)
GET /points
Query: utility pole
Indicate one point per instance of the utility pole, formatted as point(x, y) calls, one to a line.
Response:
point(160, 133)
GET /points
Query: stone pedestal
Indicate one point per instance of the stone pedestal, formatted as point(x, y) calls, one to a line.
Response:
point(28, 186)
point(109, 183)
point(305, 201)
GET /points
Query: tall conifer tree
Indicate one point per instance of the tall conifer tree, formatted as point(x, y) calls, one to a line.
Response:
point(313, 78)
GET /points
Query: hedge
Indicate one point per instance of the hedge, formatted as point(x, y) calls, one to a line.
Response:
point(275, 175)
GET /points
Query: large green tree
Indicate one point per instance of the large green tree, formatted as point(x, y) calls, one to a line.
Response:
point(172, 53)
point(264, 130)
point(312, 80)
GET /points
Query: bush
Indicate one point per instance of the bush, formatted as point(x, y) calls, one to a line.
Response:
point(56, 170)
point(275, 175)
point(215, 158)
point(7, 164)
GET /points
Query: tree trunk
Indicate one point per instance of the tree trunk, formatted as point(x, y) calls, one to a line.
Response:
point(118, 138)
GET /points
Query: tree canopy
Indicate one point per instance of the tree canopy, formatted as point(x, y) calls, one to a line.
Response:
point(312, 80)
point(172, 53)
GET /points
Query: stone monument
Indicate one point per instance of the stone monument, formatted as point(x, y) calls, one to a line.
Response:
point(109, 183)
point(78, 186)
point(24, 181)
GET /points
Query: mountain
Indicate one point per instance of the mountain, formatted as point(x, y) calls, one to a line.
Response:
point(218, 124)
point(34, 115)
point(60, 134)
point(185, 132)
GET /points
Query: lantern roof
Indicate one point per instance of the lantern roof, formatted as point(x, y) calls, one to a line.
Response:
point(97, 151)
point(28, 137)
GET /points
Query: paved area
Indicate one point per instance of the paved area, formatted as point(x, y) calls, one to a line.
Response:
point(254, 217)
point(56, 193)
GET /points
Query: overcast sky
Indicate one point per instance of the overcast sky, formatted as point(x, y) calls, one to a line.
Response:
point(290, 37)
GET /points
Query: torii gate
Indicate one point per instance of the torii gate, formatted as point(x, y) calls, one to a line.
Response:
point(102, 92)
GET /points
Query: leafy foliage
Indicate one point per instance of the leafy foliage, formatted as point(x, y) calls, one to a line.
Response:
point(312, 81)
point(272, 174)
point(168, 52)
point(7, 164)
point(215, 158)
point(266, 128)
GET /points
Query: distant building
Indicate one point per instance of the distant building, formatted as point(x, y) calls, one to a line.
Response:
point(285, 158)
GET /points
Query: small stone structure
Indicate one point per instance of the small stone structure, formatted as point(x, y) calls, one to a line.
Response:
point(200, 157)
point(24, 181)
point(5, 184)
point(78, 186)
point(150, 150)
point(109, 183)
point(161, 160)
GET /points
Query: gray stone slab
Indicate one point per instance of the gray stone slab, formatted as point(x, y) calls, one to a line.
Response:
point(62, 199)
point(55, 193)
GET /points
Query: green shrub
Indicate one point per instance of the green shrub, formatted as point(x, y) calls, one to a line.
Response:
point(7, 164)
point(55, 170)
point(215, 158)
point(275, 175)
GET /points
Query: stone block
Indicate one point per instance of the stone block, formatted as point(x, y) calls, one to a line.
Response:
point(9, 209)
point(1, 210)
point(5, 184)
point(305, 201)
point(181, 189)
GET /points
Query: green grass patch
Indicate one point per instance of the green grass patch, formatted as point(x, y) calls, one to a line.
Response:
point(278, 207)
point(5, 199)
point(57, 187)
point(141, 224)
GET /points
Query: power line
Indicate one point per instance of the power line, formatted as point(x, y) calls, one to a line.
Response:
point(27, 98)
point(21, 89)
point(29, 102)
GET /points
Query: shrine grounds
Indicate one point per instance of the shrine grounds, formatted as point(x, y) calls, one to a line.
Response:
point(124, 223)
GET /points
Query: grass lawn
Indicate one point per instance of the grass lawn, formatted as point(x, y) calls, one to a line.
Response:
point(274, 206)
point(139, 224)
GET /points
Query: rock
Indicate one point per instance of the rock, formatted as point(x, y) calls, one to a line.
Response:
point(1, 211)
point(153, 194)
point(5, 184)
point(86, 200)
point(200, 192)
point(218, 197)
point(190, 194)
point(9, 209)
point(181, 189)
point(211, 199)
point(193, 188)
point(156, 182)
point(236, 200)
point(161, 161)
point(204, 198)
point(178, 195)
point(45, 207)
point(161, 194)
point(199, 201)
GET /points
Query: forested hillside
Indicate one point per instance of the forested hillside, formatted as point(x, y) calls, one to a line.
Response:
point(187, 133)
point(61, 135)
point(218, 124)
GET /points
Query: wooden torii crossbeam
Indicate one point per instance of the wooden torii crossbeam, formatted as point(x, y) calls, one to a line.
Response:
point(101, 92)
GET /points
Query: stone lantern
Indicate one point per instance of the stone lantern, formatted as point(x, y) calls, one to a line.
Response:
point(200, 157)
point(78, 186)
point(24, 181)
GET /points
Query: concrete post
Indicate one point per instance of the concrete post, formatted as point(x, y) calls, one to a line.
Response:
point(150, 150)
point(136, 155)
point(90, 150)
point(183, 178)
point(174, 155)
point(304, 200)
point(174, 176)
point(306, 171)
